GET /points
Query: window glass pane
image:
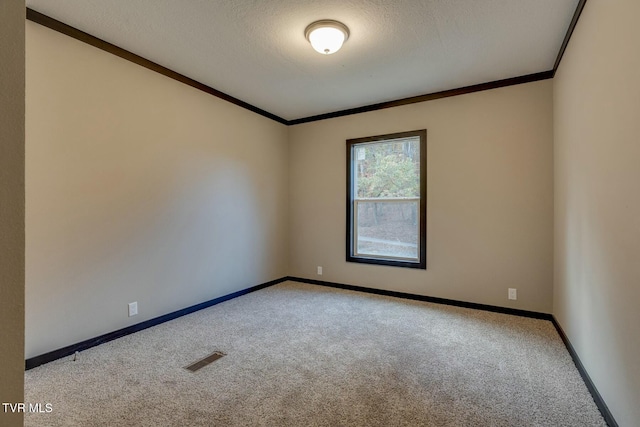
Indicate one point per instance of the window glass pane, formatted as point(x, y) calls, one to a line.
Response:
point(388, 168)
point(386, 200)
point(387, 228)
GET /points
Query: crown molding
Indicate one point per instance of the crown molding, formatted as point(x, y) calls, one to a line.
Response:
point(61, 27)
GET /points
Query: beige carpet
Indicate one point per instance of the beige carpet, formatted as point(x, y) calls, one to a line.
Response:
point(305, 355)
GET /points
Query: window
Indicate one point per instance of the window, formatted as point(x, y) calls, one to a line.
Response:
point(386, 199)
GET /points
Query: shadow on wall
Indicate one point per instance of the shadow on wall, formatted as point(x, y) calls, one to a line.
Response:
point(167, 241)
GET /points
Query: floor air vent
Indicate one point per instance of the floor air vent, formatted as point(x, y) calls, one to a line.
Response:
point(204, 362)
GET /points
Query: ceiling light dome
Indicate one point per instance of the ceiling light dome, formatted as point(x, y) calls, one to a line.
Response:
point(327, 36)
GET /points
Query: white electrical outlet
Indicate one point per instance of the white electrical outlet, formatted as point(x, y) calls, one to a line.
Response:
point(133, 308)
point(513, 293)
point(319, 271)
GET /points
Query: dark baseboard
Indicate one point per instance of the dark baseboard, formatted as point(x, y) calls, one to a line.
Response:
point(485, 307)
point(600, 403)
point(602, 406)
point(92, 342)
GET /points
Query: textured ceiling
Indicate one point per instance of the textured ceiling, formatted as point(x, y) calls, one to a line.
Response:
point(256, 51)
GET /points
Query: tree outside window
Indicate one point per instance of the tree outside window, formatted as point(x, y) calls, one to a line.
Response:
point(387, 199)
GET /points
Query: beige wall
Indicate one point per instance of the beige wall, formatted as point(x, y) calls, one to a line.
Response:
point(12, 244)
point(489, 197)
point(139, 188)
point(597, 200)
point(142, 189)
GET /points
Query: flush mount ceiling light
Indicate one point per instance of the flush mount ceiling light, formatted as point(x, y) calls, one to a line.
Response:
point(327, 36)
